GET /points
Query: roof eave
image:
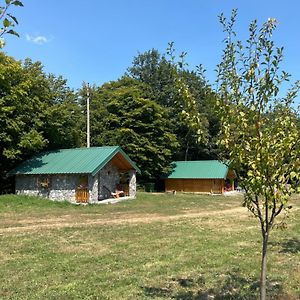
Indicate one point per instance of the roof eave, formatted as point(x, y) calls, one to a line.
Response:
point(118, 149)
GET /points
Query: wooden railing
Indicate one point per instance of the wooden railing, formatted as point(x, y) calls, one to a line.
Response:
point(82, 195)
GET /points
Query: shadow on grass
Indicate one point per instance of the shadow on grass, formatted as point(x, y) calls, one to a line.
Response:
point(288, 246)
point(291, 246)
point(230, 286)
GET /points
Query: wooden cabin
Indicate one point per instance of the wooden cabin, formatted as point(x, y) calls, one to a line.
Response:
point(203, 176)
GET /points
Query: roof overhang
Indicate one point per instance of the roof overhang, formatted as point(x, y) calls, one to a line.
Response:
point(121, 159)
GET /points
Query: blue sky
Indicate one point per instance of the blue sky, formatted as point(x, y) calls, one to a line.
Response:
point(95, 41)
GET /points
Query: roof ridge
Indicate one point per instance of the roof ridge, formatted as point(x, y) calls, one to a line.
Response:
point(71, 161)
point(81, 148)
point(199, 169)
point(187, 161)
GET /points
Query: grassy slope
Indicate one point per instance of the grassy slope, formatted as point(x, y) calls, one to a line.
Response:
point(180, 258)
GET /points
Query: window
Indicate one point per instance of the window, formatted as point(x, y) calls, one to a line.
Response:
point(43, 182)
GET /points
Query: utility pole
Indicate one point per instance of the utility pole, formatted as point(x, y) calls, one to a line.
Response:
point(88, 117)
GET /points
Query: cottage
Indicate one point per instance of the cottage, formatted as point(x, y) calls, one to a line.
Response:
point(78, 175)
point(204, 176)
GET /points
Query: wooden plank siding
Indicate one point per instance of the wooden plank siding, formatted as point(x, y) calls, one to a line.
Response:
point(215, 186)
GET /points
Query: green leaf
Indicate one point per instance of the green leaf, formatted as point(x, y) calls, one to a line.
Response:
point(13, 32)
point(6, 23)
point(17, 3)
point(13, 18)
point(7, 2)
point(293, 174)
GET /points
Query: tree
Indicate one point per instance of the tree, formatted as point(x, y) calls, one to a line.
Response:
point(37, 111)
point(259, 126)
point(8, 20)
point(63, 119)
point(171, 83)
point(123, 113)
point(155, 70)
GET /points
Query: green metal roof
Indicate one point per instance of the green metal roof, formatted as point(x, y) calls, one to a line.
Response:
point(199, 169)
point(71, 161)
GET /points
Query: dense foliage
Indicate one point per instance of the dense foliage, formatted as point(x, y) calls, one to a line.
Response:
point(37, 111)
point(123, 113)
point(158, 112)
point(171, 86)
point(144, 116)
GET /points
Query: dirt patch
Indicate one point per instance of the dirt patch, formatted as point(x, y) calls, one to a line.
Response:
point(32, 224)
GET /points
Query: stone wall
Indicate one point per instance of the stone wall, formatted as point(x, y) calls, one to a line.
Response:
point(132, 183)
point(27, 185)
point(93, 188)
point(63, 187)
point(60, 188)
point(108, 178)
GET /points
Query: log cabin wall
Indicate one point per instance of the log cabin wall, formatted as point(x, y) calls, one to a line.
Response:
point(215, 186)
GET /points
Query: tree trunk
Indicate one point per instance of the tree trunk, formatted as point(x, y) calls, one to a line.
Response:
point(263, 274)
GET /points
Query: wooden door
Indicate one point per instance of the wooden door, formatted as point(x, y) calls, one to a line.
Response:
point(216, 186)
point(82, 195)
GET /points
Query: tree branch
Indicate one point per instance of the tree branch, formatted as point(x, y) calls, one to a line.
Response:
point(4, 11)
point(262, 222)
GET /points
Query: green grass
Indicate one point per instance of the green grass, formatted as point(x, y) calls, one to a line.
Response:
point(79, 253)
point(145, 202)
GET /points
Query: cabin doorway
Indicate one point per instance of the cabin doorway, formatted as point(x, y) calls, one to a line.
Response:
point(216, 187)
point(82, 194)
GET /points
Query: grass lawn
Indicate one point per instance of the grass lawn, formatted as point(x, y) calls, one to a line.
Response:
point(157, 246)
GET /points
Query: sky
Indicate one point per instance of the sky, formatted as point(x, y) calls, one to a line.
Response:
point(95, 40)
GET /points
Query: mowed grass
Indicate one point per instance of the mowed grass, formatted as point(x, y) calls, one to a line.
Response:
point(157, 246)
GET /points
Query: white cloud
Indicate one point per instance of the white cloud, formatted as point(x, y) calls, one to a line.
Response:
point(39, 39)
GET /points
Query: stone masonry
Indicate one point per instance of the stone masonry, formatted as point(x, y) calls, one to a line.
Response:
point(63, 187)
point(132, 183)
point(108, 178)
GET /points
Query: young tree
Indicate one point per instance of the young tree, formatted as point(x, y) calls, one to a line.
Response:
point(8, 20)
point(259, 125)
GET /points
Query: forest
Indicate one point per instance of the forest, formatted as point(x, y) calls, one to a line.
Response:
point(143, 111)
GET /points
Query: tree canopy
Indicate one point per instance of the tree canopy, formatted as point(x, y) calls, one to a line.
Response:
point(171, 84)
point(37, 111)
point(123, 113)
